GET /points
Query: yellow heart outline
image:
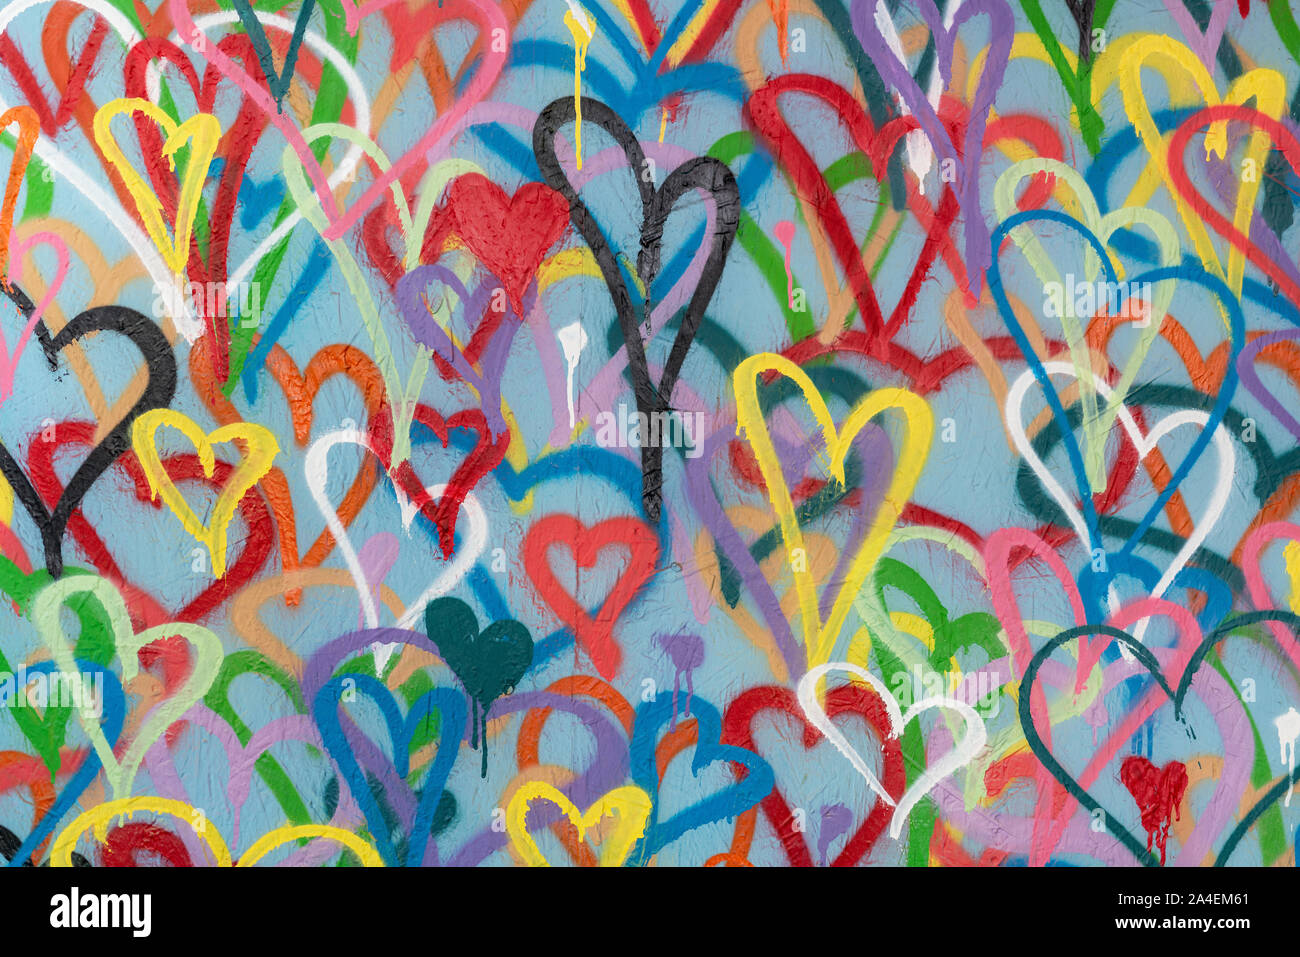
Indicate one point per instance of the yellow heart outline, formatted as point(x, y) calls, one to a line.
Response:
point(629, 804)
point(203, 131)
point(820, 639)
point(1266, 86)
point(262, 449)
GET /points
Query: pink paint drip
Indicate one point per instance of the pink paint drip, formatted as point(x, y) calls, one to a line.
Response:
point(784, 232)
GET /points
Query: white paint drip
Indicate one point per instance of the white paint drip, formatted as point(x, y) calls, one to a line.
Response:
point(1288, 732)
point(573, 339)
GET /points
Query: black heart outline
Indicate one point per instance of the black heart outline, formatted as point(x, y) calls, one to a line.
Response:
point(704, 173)
point(1152, 664)
point(159, 390)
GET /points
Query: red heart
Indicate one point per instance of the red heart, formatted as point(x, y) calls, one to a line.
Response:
point(1158, 793)
point(234, 149)
point(763, 113)
point(510, 236)
point(482, 459)
point(738, 730)
point(236, 145)
point(145, 608)
point(126, 842)
point(71, 80)
point(596, 635)
point(376, 231)
point(1284, 141)
point(74, 77)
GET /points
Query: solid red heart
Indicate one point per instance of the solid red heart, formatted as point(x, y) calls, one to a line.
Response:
point(846, 699)
point(482, 459)
point(510, 236)
point(587, 544)
point(1158, 793)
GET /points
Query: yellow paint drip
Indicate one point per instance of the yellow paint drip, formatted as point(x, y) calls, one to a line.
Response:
point(582, 34)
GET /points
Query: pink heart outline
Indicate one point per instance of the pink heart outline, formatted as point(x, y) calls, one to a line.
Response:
point(486, 14)
point(17, 247)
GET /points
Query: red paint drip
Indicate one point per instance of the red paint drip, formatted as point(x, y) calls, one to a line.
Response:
point(1158, 793)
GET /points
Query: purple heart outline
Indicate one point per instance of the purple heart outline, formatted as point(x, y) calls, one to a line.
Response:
point(966, 159)
point(1250, 378)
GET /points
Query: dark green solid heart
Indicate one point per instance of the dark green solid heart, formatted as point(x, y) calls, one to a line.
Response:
point(489, 663)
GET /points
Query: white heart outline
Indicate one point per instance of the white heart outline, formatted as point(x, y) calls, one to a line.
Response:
point(317, 473)
point(1144, 444)
point(962, 753)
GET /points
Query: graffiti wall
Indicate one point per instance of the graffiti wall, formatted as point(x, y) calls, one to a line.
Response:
point(649, 432)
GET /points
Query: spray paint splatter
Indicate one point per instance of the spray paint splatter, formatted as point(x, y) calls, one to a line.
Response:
point(836, 819)
point(572, 339)
point(377, 556)
point(781, 17)
point(1097, 717)
point(1158, 793)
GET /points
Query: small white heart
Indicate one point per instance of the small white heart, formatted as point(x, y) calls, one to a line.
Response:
point(962, 753)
